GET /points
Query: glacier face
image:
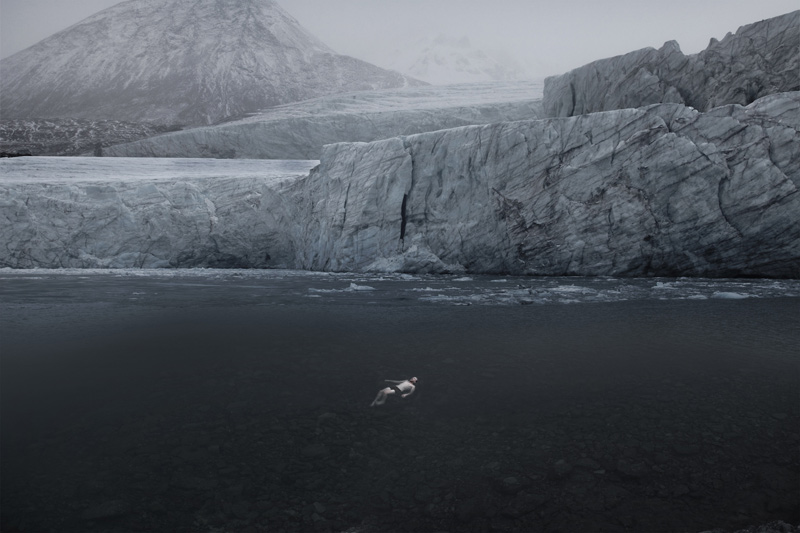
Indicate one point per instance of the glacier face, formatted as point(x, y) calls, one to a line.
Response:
point(662, 190)
point(759, 59)
point(115, 213)
point(184, 62)
point(300, 130)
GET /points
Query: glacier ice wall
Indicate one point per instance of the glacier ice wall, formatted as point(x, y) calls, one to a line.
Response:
point(118, 213)
point(759, 59)
point(661, 190)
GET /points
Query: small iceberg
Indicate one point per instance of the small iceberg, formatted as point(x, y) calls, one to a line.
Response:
point(729, 296)
point(354, 287)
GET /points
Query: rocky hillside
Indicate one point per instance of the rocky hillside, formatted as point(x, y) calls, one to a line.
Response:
point(183, 62)
point(759, 59)
point(66, 136)
point(659, 191)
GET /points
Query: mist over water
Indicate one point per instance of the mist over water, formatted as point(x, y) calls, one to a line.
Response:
point(144, 398)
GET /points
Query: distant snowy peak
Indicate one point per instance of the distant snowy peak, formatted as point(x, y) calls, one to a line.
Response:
point(179, 61)
point(444, 59)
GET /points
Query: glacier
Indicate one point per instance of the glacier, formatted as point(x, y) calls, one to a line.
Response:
point(676, 183)
point(113, 213)
point(759, 59)
point(664, 190)
point(300, 130)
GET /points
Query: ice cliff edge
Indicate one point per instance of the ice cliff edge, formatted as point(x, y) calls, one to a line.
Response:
point(664, 190)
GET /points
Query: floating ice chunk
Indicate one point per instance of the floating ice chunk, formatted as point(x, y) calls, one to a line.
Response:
point(730, 296)
point(662, 285)
point(354, 287)
point(573, 289)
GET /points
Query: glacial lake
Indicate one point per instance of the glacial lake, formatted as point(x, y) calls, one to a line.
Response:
point(238, 400)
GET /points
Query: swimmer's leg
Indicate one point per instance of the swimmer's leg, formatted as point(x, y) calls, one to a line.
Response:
point(380, 399)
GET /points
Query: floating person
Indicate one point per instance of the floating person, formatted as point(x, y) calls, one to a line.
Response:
point(403, 388)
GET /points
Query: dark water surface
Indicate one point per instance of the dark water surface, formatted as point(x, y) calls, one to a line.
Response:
point(240, 402)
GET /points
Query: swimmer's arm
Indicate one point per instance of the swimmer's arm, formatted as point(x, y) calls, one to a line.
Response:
point(409, 393)
point(396, 382)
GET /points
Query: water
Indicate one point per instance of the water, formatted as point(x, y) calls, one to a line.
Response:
point(204, 400)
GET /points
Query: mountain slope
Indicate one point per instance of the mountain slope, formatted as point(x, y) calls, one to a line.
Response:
point(179, 61)
point(69, 136)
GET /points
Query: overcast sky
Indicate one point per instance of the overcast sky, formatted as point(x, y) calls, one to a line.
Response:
point(555, 35)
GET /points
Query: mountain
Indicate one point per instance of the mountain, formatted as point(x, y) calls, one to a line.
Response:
point(190, 62)
point(444, 60)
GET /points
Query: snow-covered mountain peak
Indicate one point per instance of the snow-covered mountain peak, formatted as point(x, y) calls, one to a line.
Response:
point(155, 22)
point(180, 61)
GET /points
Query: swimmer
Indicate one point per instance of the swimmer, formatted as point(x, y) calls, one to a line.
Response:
point(403, 388)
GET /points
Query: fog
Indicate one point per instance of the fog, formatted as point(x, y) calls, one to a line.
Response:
point(548, 37)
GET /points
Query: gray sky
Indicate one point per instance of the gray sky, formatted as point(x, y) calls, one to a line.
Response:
point(556, 34)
